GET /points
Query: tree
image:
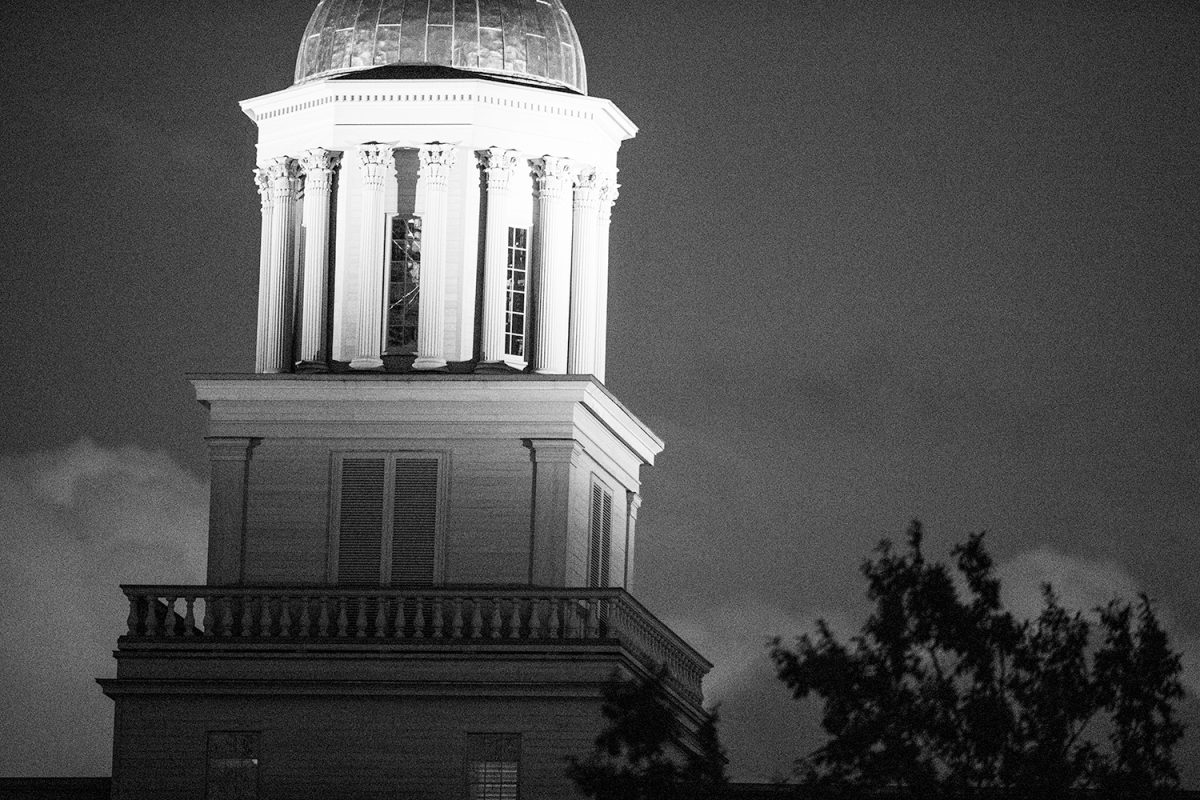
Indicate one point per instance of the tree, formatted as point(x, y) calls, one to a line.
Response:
point(943, 690)
point(643, 754)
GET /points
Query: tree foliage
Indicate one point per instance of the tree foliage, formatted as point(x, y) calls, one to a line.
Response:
point(944, 690)
point(643, 753)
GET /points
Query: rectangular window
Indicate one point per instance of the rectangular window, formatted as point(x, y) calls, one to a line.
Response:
point(599, 536)
point(387, 516)
point(404, 279)
point(493, 766)
point(514, 316)
point(232, 768)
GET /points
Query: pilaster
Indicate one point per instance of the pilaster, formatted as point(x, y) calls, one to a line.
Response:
point(432, 183)
point(229, 469)
point(633, 503)
point(377, 164)
point(585, 231)
point(318, 166)
point(498, 166)
point(552, 263)
point(553, 461)
point(274, 352)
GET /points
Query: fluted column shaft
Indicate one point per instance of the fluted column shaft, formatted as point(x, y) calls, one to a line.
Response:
point(275, 307)
point(581, 355)
point(318, 166)
point(433, 183)
point(264, 261)
point(608, 196)
point(552, 264)
point(498, 165)
point(377, 165)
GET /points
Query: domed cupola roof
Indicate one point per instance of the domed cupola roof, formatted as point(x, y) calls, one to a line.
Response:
point(530, 40)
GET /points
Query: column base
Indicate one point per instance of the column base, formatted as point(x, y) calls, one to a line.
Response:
point(366, 362)
point(428, 363)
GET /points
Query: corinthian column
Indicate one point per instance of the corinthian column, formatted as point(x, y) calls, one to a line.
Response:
point(318, 166)
point(264, 255)
point(581, 354)
point(377, 165)
point(498, 165)
point(608, 196)
point(275, 283)
point(432, 183)
point(552, 264)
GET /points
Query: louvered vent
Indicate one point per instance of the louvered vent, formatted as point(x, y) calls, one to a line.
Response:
point(360, 521)
point(414, 522)
point(599, 537)
point(606, 540)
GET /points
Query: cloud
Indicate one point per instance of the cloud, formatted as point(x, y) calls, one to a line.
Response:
point(1084, 585)
point(77, 522)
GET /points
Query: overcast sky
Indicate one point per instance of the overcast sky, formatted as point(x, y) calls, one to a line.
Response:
point(871, 261)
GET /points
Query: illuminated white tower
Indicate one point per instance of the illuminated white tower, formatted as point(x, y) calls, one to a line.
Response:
point(424, 500)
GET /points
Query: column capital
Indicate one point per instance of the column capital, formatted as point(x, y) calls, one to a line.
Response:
point(499, 165)
point(318, 165)
point(263, 183)
point(230, 448)
point(589, 188)
point(378, 161)
point(436, 160)
point(554, 176)
point(281, 174)
point(609, 188)
point(554, 451)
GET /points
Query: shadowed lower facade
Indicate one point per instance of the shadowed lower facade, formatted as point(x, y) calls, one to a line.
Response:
point(423, 500)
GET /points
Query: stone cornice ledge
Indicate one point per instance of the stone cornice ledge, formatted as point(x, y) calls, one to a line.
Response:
point(367, 389)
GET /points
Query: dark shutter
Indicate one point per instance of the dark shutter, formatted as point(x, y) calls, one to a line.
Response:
point(414, 521)
point(360, 521)
point(606, 540)
point(594, 521)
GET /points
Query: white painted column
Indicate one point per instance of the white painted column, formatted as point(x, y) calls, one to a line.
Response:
point(275, 285)
point(498, 166)
point(264, 263)
point(581, 355)
point(432, 184)
point(377, 165)
point(552, 264)
point(608, 196)
point(318, 166)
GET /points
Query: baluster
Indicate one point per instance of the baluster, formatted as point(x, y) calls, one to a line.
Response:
point(514, 622)
point(264, 617)
point(419, 619)
point(151, 615)
point(285, 616)
point(400, 618)
point(323, 617)
point(476, 618)
point(593, 619)
point(437, 618)
point(343, 619)
point(226, 616)
point(189, 616)
point(535, 617)
point(360, 619)
point(210, 615)
point(381, 616)
point(456, 624)
point(305, 617)
point(553, 624)
point(169, 615)
point(247, 617)
point(571, 619)
point(134, 618)
point(494, 622)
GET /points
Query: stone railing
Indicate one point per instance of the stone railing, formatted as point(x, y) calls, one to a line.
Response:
point(455, 615)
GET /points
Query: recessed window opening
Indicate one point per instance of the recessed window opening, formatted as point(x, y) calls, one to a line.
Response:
point(514, 315)
point(404, 281)
point(493, 766)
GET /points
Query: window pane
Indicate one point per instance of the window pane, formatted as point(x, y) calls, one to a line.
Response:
point(232, 765)
point(404, 277)
point(514, 318)
point(493, 766)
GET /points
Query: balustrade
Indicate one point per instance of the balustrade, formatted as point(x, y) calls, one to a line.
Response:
point(436, 615)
